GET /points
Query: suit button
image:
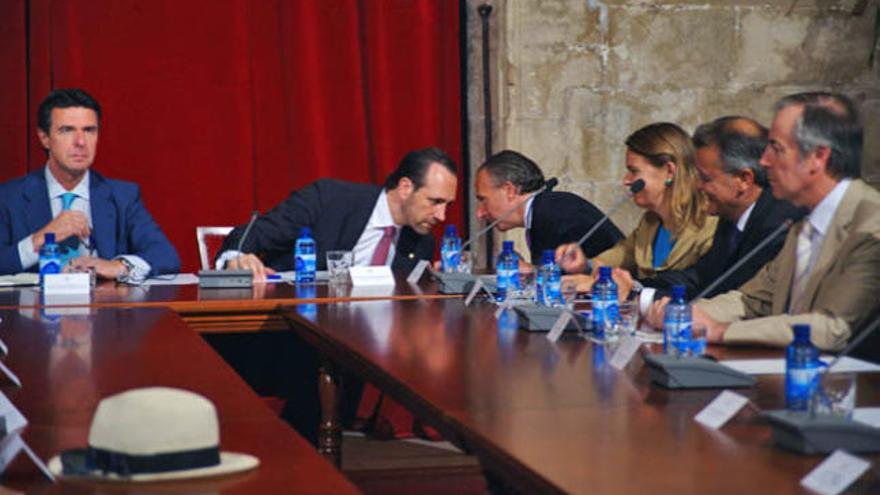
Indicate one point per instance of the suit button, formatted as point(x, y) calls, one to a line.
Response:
point(412, 255)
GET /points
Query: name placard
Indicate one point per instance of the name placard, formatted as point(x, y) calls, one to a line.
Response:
point(416, 274)
point(836, 473)
point(371, 275)
point(66, 283)
point(721, 409)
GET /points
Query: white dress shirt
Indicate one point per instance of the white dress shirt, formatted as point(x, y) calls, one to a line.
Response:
point(368, 241)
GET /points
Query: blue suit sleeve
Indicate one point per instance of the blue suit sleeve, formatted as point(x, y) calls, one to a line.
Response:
point(146, 239)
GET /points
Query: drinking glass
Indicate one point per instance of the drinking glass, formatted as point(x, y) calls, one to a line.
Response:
point(338, 265)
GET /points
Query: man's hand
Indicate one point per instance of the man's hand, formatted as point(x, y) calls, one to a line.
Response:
point(250, 262)
point(68, 223)
point(714, 329)
point(656, 313)
point(105, 269)
point(571, 258)
point(624, 281)
point(581, 282)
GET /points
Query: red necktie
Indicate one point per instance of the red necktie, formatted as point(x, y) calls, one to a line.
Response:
point(380, 255)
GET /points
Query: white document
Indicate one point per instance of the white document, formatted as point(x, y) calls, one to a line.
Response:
point(66, 283)
point(836, 473)
point(721, 409)
point(777, 366)
point(371, 275)
point(868, 415)
point(20, 279)
point(173, 279)
point(416, 274)
point(559, 326)
point(625, 351)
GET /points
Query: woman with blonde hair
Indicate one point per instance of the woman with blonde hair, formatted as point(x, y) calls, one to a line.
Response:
point(675, 231)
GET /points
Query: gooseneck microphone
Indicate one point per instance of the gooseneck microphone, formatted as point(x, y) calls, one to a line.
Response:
point(548, 185)
point(634, 188)
point(247, 229)
point(784, 226)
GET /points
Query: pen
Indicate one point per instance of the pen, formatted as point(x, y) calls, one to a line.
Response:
point(273, 276)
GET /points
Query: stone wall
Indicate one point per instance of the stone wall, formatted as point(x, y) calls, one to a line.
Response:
point(572, 78)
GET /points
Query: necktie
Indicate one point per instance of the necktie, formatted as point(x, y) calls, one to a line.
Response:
point(380, 255)
point(802, 265)
point(70, 246)
point(733, 240)
point(67, 200)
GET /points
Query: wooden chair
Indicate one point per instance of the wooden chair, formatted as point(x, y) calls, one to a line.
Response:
point(210, 239)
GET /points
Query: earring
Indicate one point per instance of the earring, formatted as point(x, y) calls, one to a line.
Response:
point(668, 181)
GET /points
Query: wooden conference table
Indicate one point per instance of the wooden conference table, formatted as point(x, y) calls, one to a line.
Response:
point(549, 417)
point(542, 417)
point(68, 363)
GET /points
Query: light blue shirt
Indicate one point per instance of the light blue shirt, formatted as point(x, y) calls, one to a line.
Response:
point(29, 257)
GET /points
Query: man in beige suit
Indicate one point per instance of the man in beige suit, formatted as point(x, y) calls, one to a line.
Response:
point(828, 272)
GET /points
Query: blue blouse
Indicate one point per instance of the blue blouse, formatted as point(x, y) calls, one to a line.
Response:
point(662, 247)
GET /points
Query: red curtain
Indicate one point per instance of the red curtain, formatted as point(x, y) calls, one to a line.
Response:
point(219, 107)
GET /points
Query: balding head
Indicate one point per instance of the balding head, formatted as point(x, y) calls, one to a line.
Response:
point(740, 142)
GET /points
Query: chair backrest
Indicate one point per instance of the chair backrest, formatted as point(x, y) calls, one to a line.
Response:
point(210, 239)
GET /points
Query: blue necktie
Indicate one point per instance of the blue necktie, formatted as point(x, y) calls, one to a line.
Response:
point(70, 246)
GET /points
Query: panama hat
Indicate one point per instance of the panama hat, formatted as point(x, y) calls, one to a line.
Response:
point(152, 434)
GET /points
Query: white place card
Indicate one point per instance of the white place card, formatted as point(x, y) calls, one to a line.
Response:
point(66, 283)
point(416, 274)
point(4, 349)
point(836, 473)
point(625, 351)
point(371, 275)
point(777, 366)
point(473, 293)
point(559, 326)
point(10, 375)
point(721, 409)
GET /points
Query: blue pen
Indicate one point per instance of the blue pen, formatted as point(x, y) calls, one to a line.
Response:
point(273, 276)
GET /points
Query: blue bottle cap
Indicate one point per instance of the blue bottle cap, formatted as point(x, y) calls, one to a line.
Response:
point(548, 257)
point(305, 231)
point(49, 238)
point(451, 231)
point(605, 271)
point(801, 331)
point(678, 291)
point(507, 246)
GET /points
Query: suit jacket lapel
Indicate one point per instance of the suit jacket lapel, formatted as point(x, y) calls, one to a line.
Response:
point(834, 239)
point(356, 221)
point(38, 210)
point(103, 217)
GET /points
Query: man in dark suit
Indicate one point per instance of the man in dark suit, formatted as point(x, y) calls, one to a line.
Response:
point(100, 223)
point(504, 184)
point(362, 218)
point(728, 152)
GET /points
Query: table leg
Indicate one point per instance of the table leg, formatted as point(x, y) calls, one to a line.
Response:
point(330, 430)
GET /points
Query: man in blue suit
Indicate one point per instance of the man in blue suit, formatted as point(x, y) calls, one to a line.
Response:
point(100, 223)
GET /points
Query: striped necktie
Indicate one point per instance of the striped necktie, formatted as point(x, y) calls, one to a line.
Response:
point(802, 266)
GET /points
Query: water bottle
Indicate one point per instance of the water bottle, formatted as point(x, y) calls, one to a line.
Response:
point(552, 281)
point(604, 305)
point(546, 258)
point(801, 368)
point(50, 256)
point(450, 250)
point(305, 256)
point(677, 322)
point(507, 272)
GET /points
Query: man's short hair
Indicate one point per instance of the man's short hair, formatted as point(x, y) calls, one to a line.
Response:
point(740, 141)
point(828, 119)
point(64, 98)
point(415, 164)
point(515, 167)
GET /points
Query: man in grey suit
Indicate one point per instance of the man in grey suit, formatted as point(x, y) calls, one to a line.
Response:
point(828, 272)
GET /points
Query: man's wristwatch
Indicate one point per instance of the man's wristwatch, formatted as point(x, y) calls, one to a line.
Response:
point(125, 276)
